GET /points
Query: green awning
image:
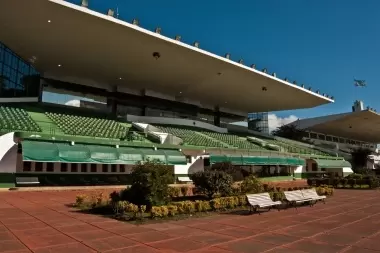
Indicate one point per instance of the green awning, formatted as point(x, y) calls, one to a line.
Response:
point(104, 154)
point(75, 153)
point(130, 155)
point(257, 160)
point(152, 154)
point(174, 157)
point(39, 151)
point(329, 164)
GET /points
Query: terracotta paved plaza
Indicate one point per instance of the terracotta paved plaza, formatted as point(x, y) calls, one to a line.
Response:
point(41, 222)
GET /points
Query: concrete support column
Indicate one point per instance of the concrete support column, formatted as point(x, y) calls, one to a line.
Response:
point(217, 116)
point(111, 101)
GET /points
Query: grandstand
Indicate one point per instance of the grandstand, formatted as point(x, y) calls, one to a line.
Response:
point(343, 132)
point(158, 108)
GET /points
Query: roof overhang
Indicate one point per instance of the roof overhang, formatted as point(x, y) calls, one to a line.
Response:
point(361, 126)
point(93, 46)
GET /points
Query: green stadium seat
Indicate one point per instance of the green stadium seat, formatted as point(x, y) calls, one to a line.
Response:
point(16, 119)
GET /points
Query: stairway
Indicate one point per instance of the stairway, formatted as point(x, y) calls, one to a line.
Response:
point(47, 125)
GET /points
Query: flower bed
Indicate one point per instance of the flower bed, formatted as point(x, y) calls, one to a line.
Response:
point(121, 209)
point(354, 181)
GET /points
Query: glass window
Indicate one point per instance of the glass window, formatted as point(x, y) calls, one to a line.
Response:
point(83, 168)
point(93, 168)
point(113, 168)
point(74, 167)
point(105, 167)
point(63, 167)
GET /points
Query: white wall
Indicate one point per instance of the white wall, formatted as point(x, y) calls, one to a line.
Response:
point(8, 163)
point(175, 121)
point(195, 165)
point(6, 143)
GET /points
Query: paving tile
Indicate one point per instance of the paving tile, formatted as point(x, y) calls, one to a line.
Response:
point(239, 232)
point(111, 243)
point(66, 248)
point(368, 244)
point(274, 238)
point(135, 249)
point(312, 246)
point(151, 236)
point(39, 241)
point(11, 245)
point(91, 235)
point(247, 246)
point(6, 236)
point(178, 245)
point(210, 238)
point(338, 237)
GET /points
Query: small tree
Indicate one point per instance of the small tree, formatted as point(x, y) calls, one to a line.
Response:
point(150, 183)
point(252, 185)
point(359, 159)
point(213, 182)
point(289, 131)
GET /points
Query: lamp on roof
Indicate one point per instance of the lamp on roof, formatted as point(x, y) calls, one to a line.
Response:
point(332, 97)
point(110, 12)
point(317, 91)
point(158, 30)
point(178, 37)
point(241, 61)
point(264, 70)
point(253, 66)
point(227, 55)
point(302, 85)
point(295, 82)
point(196, 44)
point(285, 79)
point(274, 74)
point(135, 21)
point(309, 88)
point(85, 3)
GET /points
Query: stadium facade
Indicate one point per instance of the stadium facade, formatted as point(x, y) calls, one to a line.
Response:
point(145, 97)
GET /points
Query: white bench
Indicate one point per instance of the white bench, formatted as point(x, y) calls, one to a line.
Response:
point(185, 179)
point(27, 181)
point(296, 197)
point(261, 200)
point(312, 193)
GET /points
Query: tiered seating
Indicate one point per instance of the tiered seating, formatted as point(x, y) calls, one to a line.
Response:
point(233, 140)
point(292, 147)
point(15, 119)
point(191, 137)
point(87, 126)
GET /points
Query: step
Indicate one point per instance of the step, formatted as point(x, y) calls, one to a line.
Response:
point(46, 124)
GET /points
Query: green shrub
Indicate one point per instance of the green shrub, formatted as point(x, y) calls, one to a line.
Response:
point(150, 180)
point(242, 200)
point(252, 185)
point(216, 204)
point(174, 192)
point(172, 210)
point(213, 182)
point(184, 190)
point(202, 206)
point(80, 200)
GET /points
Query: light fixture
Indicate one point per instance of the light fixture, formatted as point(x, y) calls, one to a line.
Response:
point(310, 88)
point(253, 66)
point(158, 30)
point(196, 44)
point(135, 21)
point(110, 12)
point(285, 79)
point(85, 3)
point(227, 55)
point(49, 21)
point(332, 97)
point(264, 70)
point(120, 78)
point(59, 65)
point(180, 92)
point(294, 82)
point(274, 74)
point(317, 91)
point(225, 102)
point(178, 37)
point(156, 55)
point(241, 61)
point(302, 85)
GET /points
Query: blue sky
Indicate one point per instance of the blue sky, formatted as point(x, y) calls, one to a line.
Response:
point(323, 44)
